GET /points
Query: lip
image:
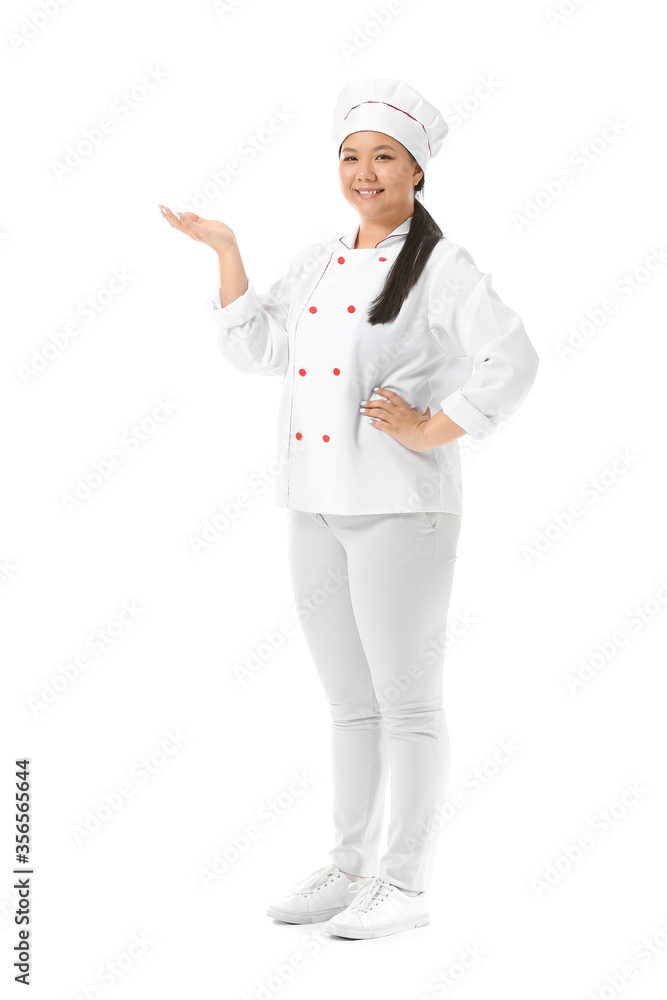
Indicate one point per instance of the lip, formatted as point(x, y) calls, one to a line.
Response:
point(368, 197)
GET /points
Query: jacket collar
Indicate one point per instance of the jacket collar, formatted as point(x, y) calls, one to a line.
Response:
point(349, 239)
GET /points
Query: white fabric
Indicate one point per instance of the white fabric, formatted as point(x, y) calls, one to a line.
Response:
point(372, 593)
point(383, 104)
point(454, 345)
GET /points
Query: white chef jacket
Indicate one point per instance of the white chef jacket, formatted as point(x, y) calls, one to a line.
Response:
point(454, 345)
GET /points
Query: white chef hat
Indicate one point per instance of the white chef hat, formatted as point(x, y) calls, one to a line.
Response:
point(382, 104)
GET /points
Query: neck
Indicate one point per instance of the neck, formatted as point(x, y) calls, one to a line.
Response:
point(372, 231)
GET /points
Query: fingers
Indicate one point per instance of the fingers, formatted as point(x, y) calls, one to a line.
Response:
point(184, 221)
point(172, 219)
point(388, 399)
point(368, 406)
point(383, 402)
point(179, 218)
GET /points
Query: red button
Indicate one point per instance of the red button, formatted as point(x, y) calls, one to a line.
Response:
point(302, 371)
point(312, 309)
point(350, 309)
point(341, 260)
point(336, 371)
point(325, 437)
point(382, 258)
point(298, 435)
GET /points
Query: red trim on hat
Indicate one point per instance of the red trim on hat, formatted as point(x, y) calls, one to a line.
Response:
point(388, 105)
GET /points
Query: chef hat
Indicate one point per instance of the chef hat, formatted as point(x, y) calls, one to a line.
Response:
point(381, 104)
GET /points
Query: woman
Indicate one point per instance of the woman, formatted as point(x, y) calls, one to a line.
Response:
point(369, 330)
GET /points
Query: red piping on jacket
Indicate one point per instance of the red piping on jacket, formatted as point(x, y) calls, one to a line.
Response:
point(391, 236)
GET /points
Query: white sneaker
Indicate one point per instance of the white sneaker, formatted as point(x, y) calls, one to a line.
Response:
point(378, 908)
point(320, 896)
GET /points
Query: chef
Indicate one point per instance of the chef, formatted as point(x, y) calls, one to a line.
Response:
point(453, 345)
point(392, 345)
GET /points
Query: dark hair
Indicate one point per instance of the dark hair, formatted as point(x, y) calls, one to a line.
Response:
point(422, 237)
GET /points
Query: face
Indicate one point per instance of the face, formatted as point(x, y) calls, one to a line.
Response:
point(370, 161)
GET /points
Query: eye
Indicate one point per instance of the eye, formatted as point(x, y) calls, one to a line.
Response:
point(354, 157)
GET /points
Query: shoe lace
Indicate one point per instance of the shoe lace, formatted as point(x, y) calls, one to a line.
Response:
point(368, 892)
point(316, 879)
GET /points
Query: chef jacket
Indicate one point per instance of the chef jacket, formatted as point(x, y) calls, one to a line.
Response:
point(454, 345)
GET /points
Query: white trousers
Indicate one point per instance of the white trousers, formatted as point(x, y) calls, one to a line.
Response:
point(373, 592)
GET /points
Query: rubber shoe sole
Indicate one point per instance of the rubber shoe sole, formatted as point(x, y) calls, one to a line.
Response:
point(374, 932)
point(304, 918)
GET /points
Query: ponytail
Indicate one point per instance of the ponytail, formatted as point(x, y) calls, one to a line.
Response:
point(417, 247)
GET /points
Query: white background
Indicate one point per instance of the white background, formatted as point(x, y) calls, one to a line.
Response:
point(538, 609)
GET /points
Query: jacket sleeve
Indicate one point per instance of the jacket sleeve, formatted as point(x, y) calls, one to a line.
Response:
point(468, 319)
point(252, 330)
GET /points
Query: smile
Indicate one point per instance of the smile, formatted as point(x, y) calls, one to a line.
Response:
point(370, 193)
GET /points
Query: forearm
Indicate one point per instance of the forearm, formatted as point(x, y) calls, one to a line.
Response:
point(233, 279)
point(440, 429)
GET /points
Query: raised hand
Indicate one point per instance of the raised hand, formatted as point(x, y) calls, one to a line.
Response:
point(216, 235)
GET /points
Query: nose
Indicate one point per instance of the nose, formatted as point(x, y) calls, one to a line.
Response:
point(365, 167)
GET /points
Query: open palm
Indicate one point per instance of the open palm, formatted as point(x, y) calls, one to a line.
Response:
point(214, 234)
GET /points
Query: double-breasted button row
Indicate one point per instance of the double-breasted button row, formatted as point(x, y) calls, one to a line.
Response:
point(325, 437)
point(341, 260)
point(299, 435)
point(350, 309)
point(336, 371)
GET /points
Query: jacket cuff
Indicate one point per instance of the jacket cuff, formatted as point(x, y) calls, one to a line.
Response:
point(238, 312)
point(462, 412)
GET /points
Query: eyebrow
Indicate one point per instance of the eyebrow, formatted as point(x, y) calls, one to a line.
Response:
point(350, 149)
